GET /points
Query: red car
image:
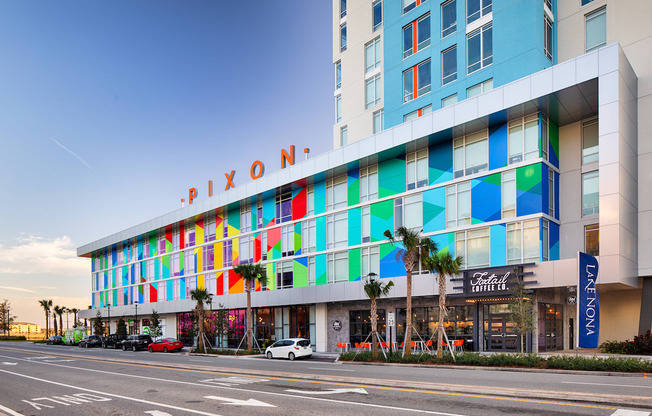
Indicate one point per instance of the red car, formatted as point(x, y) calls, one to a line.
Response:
point(165, 345)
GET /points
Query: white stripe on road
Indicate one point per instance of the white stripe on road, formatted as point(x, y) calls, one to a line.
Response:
point(626, 412)
point(609, 385)
point(8, 410)
point(328, 369)
point(256, 392)
point(199, 412)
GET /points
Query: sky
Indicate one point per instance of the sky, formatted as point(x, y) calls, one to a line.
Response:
point(111, 110)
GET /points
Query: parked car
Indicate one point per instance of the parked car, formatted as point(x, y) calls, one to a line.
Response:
point(54, 340)
point(90, 341)
point(289, 348)
point(165, 345)
point(136, 342)
point(114, 340)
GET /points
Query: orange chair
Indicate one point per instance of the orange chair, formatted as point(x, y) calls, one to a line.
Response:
point(343, 346)
point(357, 345)
point(429, 343)
point(366, 345)
point(458, 345)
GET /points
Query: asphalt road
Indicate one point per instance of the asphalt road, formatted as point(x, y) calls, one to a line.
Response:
point(37, 379)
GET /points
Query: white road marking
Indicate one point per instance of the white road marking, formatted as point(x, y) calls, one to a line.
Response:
point(258, 392)
point(626, 412)
point(329, 391)
point(9, 411)
point(110, 394)
point(328, 369)
point(157, 413)
point(6, 363)
point(604, 384)
point(236, 402)
point(234, 381)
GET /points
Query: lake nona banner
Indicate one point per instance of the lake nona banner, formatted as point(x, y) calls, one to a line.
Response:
point(588, 306)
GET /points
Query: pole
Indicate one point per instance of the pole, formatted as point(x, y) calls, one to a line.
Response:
point(136, 323)
point(109, 325)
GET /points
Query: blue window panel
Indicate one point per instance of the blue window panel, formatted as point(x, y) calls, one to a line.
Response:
point(434, 210)
point(445, 242)
point(355, 226)
point(182, 288)
point(498, 238)
point(440, 162)
point(544, 189)
point(93, 302)
point(320, 196)
point(268, 207)
point(114, 256)
point(556, 195)
point(321, 233)
point(169, 290)
point(554, 241)
point(485, 199)
point(125, 296)
point(141, 297)
point(389, 267)
point(140, 247)
point(497, 146)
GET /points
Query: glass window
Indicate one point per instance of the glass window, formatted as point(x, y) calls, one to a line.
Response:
point(311, 271)
point(449, 65)
point(360, 325)
point(338, 108)
point(544, 137)
point(377, 11)
point(189, 262)
point(263, 245)
point(596, 29)
point(174, 265)
point(284, 275)
point(474, 246)
point(523, 139)
point(419, 73)
point(479, 49)
point(470, 154)
point(227, 253)
point(475, 9)
point(585, 2)
point(408, 212)
point(372, 55)
point(369, 261)
point(344, 136)
point(458, 204)
point(246, 254)
point(508, 193)
point(590, 141)
point(547, 31)
point(338, 75)
point(208, 257)
point(336, 190)
point(416, 114)
point(545, 240)
point(343, 37)
point(590, 193)
point(416, 36)
point(551, 193)
point(417, 169)
point(450, 100)
point(478, 89)
point(411, 4)
point(372, 91)
point(287, 240)
point(369, 183)
point(245, 217)
point(592, 239)
point(448, 18)
point(283, 205)
point(379, 121)
point(523, 242)
point(336, 230)
point(366, 224)
point(225, 224)
point(308, 236)
point(310, 200)
point(337, 267)
point(342, 8)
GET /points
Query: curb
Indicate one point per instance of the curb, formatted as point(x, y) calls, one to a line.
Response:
point(505, 392)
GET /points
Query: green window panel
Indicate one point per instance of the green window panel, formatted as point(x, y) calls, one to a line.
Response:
point(382, 218)
point(166, 267)
point(271, 276)
point(320, 269)
point(300, 274)
point(353, 187)
point(354, 264)
point(391, 177)
point(297, 237)
point(234, 216)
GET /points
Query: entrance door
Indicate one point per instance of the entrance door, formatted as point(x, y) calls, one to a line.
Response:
point(502, 335)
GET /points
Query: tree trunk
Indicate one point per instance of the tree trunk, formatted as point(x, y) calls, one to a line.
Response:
point(250, 341)
point(55, 325)
point(442, 310)
point(408, 314)
point(61, 324)
point(374, 328)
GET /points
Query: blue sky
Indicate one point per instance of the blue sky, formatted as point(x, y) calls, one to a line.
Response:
point(110, 111)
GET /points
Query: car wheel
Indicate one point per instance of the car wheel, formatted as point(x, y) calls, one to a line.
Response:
point(124, 348)
point(150, 349)
point(269, 355)
point(165, 349)
point(291, 356)
point(134, 348)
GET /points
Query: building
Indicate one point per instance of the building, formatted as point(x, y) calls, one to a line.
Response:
point(550, 161)
point(23, 328)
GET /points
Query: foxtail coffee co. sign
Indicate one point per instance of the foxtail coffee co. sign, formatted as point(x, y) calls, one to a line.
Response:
point(490, 282)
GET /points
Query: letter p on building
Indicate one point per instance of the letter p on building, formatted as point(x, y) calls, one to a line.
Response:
point(192, 194)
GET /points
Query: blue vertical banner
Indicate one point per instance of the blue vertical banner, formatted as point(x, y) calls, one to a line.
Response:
point(588, 306)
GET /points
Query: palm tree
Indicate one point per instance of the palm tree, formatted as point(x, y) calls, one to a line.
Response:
point(74, 312)
point(375, 289)
point(412, 248)
point(54, 318)
point(46, 305)
point(201, 296)
point(444, 264)
point(250, 273)
point(59, 310)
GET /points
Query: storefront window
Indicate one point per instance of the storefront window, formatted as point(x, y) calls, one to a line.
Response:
point(551, 335)
point(360, 325)
point(458, 324)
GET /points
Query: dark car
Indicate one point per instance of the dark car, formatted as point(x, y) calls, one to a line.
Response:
point(54, 340)
point(136, 342)
point(114, 340)
point(90, 341)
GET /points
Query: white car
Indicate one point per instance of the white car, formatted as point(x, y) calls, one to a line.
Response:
point(289, 348)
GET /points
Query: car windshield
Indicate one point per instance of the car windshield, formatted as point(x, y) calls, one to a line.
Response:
point(303, 343)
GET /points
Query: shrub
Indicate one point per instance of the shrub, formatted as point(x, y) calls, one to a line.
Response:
point(13, 338)
point(641, 345)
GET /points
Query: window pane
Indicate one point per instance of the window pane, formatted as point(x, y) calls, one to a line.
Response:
point(449, 65)
point(596, 29)
point(343, 37)
point(408, 85)
point(473, 91)
point(590, 193)
point(411, 172)
point(487, 46)
point(449, 100)
point(532, 139)
point(423, 33)
point(370, 59)
point(378, 14)
point(592, 242)
point(590, 142)
point(407, 41)
point(448, 18)
point(515, 143)
point(476, 156)
point(423, 78)
point(472, 10)
point(513, 243)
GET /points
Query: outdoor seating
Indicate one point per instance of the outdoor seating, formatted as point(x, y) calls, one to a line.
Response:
point(344, 346)
point(458, 345)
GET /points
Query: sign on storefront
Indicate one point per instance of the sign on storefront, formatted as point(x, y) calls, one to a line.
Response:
point(490, 282)
point(390, 318)
point(588, 308)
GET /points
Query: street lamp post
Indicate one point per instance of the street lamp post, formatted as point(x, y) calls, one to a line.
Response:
point(109, 321)
point(136, 323)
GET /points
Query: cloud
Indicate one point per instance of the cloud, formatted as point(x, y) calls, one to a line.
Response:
point(85, 163)
point(39, 256)
point(17, 289)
